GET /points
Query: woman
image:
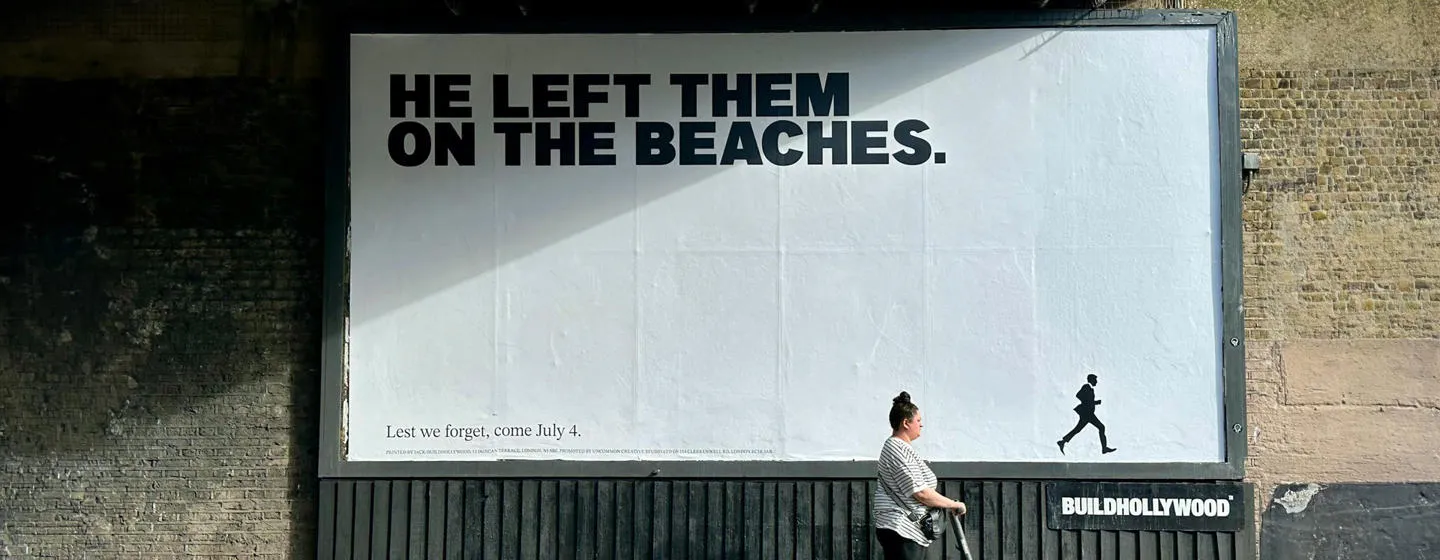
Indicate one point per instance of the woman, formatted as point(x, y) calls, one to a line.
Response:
point(904, 477)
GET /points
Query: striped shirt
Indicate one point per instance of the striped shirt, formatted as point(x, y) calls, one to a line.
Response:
point(904, 474)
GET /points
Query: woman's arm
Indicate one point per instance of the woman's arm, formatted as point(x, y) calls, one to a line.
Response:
point(934, 499)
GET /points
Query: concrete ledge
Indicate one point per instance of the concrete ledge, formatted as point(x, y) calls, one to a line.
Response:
point(1346, 443)
point(1362, 372)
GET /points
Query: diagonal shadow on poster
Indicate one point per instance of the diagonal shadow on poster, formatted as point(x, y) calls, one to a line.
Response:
point(737, 247)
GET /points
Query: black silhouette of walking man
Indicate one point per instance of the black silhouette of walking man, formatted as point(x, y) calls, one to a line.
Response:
point(1086, 411)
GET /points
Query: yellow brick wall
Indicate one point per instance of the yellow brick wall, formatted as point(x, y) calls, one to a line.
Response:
point(1342, 101)
point(1342, 239)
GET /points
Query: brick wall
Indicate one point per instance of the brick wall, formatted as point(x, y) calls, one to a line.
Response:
point(1342, 232)
point(159, 303)
point(1343, 275)
point(1343, 223)
point(160, 39)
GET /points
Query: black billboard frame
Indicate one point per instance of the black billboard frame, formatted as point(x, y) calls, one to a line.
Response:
point(332, 463)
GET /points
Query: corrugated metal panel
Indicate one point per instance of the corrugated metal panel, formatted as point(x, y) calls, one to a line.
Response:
point(693, 519)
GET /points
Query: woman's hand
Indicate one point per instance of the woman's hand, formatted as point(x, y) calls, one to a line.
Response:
point(935, 499)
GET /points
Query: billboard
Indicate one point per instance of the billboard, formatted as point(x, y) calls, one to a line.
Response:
point(724, 247)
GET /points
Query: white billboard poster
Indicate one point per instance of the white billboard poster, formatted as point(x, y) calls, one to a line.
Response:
point(741, 247)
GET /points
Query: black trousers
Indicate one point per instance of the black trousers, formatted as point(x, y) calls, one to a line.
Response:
point(1087, 419)
point(897, 547)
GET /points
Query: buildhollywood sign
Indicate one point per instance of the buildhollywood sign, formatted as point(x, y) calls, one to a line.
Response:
point(1158, 507)
point(1180, 507)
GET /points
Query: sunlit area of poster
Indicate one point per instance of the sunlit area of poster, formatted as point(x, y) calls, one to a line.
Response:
point(574, 248)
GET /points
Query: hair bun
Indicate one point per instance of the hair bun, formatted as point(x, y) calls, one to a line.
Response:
point(904, 398)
